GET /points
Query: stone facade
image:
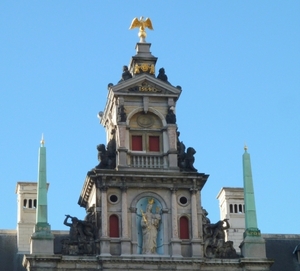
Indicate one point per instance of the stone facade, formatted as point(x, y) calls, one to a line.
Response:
point(143, 199)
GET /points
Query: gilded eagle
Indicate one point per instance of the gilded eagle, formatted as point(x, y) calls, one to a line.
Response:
point(142, 24)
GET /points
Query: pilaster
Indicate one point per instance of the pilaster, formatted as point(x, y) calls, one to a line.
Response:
point(196, 242)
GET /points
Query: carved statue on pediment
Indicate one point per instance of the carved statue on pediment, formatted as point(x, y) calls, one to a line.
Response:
point(81, 237)
point(107, 156)
point(171, 117)
point(126, 74)
point(162, 75)
point(185, 159)
point(214, 238)
point(121, 114)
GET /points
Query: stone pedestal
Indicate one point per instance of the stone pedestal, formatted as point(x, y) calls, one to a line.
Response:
point(253, 247)
point(105, 247)
point(122, 158)
point(176, 248)
point(125, 247)
point(42, 240)
point(42, 246)
point(197, 250)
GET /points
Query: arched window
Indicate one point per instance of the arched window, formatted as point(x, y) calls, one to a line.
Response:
point(231, 208)
point(25, 203)
point(114, 226)
point(30, 203)
point(235, 208)
point(184, 228)
point(240, 208)
point(34, 203)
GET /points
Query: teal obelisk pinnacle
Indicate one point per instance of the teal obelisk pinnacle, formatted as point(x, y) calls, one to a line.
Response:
point(42, 228)
point(253, 245)
point(250, 210)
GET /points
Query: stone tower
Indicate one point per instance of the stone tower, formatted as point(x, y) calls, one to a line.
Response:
point(231, 202)
point(145, 173)
point(26, 202)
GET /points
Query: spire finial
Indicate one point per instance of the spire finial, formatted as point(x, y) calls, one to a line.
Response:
point(142, 24)
point(245, 147)
point(42, 141)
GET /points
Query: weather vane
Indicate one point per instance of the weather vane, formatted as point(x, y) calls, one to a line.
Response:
point(142, 24)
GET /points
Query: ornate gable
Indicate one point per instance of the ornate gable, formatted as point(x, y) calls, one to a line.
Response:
point(145, 84)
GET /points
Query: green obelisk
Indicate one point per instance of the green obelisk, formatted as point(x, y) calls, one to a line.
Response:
point(253, 244)
point(42, 238)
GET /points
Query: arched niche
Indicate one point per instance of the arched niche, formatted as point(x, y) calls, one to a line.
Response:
point(140, 203)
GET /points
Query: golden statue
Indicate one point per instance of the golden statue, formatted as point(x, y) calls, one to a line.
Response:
point(142, 24)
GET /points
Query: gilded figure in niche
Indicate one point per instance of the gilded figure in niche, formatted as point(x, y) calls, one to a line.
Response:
point(150, 224)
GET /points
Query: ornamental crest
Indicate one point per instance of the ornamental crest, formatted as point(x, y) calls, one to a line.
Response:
point(144, 67)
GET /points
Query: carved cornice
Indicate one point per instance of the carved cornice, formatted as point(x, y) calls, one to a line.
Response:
point(127, 180)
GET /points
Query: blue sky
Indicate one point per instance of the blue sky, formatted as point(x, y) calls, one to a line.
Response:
point(238, 63)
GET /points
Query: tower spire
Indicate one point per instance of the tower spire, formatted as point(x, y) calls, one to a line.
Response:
point(253, 245)
point(250, 210)
point(42, 208)
point(42, 238)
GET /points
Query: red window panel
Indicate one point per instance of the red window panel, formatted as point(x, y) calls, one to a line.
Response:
point(114, 226)
point(184, 228)
point(137, 143)
point(154, 143)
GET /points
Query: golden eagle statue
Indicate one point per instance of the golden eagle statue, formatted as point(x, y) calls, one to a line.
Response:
point(142, 24)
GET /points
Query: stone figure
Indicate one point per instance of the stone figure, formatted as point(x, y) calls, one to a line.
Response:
point(150, 224)
point(81, 237)
point(107, 156)
point(214, 239)
point(185, 159)
point(126, 74)
point(121, 114)
point(189, 159)
point(162, 75)
point(171, 117)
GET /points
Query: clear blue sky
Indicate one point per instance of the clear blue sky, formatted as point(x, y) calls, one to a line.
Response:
point(238, 63)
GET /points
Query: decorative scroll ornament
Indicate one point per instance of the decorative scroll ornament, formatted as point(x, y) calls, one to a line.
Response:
point(142, 24)
point(144, 68)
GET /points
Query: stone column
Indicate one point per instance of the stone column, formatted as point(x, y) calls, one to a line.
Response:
point(175, 241)
point(196, 244)
point(104, 240)
point(125, 242)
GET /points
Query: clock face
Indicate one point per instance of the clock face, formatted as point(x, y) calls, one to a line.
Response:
point(145, 121)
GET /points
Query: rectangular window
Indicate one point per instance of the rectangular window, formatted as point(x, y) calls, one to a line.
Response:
point(154, 143)
point(137, 143)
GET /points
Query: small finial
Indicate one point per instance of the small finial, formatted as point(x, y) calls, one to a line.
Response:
point(245, 147)
point(42, 141)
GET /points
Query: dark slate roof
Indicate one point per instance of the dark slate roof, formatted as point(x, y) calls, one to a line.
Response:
point(10, 260)
point(280, 247)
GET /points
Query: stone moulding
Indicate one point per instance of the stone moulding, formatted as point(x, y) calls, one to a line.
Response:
point(60, 262)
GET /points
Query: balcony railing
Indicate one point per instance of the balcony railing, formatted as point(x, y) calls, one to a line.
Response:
point(143, 160)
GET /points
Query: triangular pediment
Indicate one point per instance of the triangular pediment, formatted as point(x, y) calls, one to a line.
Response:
point(145, 83)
